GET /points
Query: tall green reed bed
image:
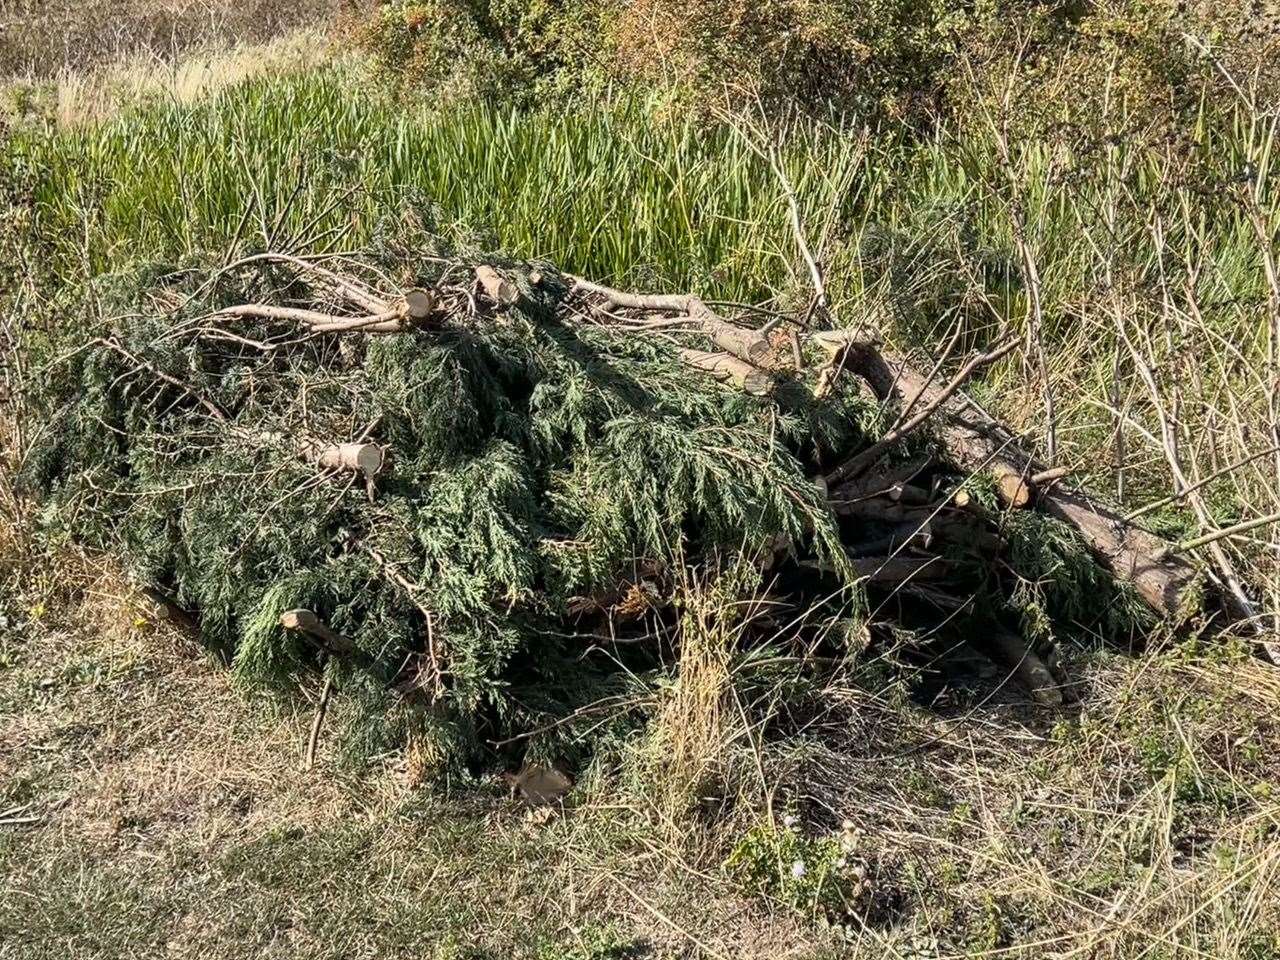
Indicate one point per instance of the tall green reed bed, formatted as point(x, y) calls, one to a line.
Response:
point(1135, 267)
point(314, 160)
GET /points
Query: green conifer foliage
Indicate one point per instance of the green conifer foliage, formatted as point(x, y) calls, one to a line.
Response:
point(531, 461)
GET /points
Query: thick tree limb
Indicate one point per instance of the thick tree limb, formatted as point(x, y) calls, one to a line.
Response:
point(900, 569)
point(977, 443)
point(855, 465)
point(749, 345)
point(367, 459)
point(388, 321)
point(729, 369)
point(163, 608)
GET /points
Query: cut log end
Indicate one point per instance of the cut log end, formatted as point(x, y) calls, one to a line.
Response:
point(836, 342)
point(419, 305)
point(363, 458)
point(496, 287)
point(300, 619)
point(757, 383)
point(1015, 490)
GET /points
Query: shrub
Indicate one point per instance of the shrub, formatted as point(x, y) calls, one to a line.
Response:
point(496, 49)
point(887, 60)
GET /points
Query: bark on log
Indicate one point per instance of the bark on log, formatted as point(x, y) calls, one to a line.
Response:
point(162, 608)
point(1013, 653)
point(498, 289)
point(894, 483)
point(730, 369)
point(836, 342)
point(965, 528)
point(899, 536)
point(977, 443)
point(749, 345)
point(893, 570)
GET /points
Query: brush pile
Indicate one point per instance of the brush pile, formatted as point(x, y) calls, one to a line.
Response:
point(472, 487)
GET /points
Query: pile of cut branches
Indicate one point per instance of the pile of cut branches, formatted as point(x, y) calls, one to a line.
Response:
point(471, 487)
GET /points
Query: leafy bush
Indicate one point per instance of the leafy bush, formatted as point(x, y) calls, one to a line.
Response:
point(887, 60)
point(496, 49)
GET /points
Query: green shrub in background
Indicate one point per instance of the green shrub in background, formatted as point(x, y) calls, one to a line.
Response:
point(490, 49)
point(880, 61)
point(847, 56)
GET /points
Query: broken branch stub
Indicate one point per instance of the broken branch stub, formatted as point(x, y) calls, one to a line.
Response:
point(419, 304)
point(309, 625)
point(364, 458)
point(496, 287)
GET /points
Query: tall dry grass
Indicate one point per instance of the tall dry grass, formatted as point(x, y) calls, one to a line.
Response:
point(42, 38)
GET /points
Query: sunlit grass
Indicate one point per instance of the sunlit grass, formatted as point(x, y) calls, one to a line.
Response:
point(313, 160)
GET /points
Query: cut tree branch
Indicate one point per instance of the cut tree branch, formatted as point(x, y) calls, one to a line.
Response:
point(977, 443)
point(855, 465)
point(730, 369)
point(749, 345)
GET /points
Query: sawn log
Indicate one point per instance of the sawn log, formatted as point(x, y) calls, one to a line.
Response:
point(975, 442)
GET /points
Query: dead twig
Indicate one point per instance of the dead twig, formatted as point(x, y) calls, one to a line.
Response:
point(326, 693)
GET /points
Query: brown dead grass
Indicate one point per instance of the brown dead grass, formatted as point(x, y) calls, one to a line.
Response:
point(43, 37)
point(75, 97)
point(174, 818)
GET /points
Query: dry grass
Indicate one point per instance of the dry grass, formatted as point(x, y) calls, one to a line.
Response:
point(172, 817)
point(77, 97)
point(1143, 823)
point(41, 38)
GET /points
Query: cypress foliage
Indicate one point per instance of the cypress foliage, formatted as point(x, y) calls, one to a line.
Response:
point(549, 483)
point(531, 462)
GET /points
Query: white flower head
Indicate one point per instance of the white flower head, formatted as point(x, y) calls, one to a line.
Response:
point(798, 869)
point(789, 820)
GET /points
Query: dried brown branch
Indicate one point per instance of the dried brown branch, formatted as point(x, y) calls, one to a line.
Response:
point(749, 345)
point(858, 463)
